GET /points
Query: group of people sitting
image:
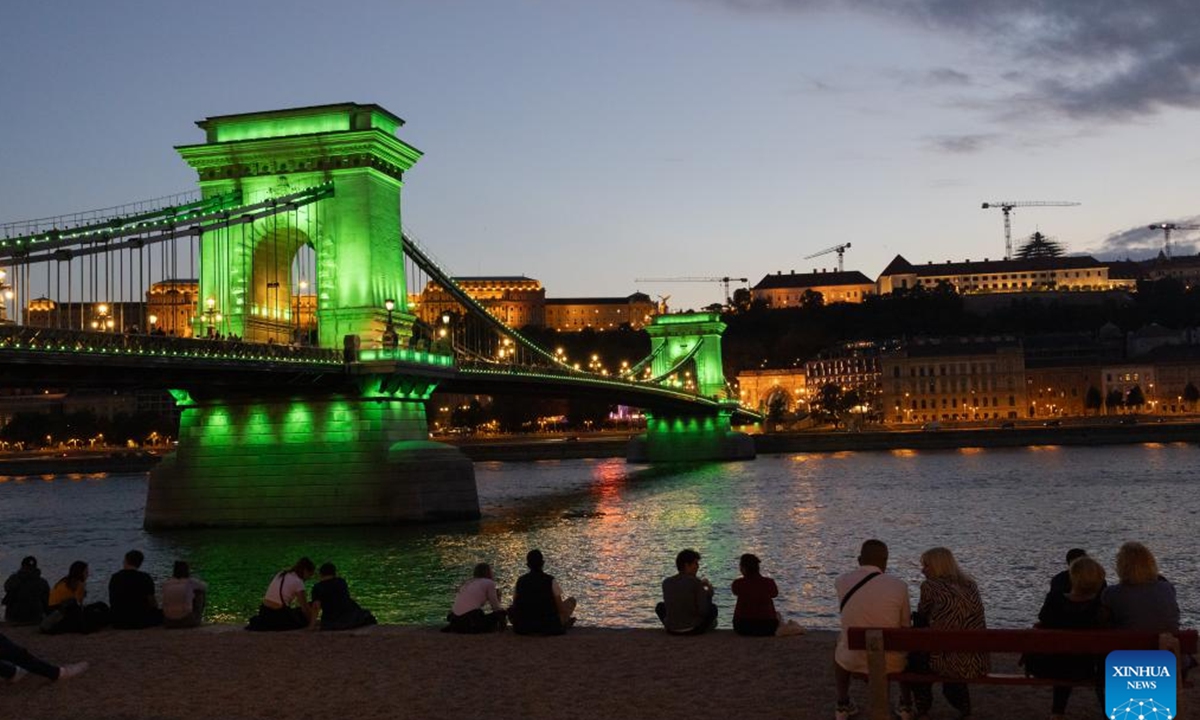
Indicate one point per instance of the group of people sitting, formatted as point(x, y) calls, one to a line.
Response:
point(538, 606)
point(687, 608)
point(285, 606)
point(30, 600)
point(132, 602)
point(1079, 598)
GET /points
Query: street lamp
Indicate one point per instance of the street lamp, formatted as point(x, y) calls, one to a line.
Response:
point(211, 316)
point(153, 322)
point(103, 321)
point(7, 293)
point(389, 331)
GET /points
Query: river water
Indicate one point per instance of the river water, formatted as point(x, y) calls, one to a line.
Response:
point(610, 531)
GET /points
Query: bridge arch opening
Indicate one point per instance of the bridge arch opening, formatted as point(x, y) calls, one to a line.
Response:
point(283, 286)
point(303, 282)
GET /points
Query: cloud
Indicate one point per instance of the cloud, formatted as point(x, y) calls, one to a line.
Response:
point(948, 76)
point(1101, 60)
point(962, 144)
point(1141, 241)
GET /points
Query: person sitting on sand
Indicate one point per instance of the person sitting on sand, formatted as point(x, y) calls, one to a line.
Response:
point(183, 598)
point(26, 594)
point(467, 615)
point(687, 607)
point(754, 614)
point(16, 662)
point(868, 597)
point(131, 595)
point(331, 600)
point(68, 614)
point(538, 607)
point(277, 612)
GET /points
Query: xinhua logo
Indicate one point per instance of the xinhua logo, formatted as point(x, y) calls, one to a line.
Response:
point(1140, 685)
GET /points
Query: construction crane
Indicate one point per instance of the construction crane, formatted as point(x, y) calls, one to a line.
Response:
point(1167, 228)
point(723, 280)
point(839, 249)
point(1007, 207)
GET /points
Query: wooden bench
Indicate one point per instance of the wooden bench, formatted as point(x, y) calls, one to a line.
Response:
point(878, 641)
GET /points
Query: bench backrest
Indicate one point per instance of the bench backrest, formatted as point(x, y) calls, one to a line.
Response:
point(1019, 641)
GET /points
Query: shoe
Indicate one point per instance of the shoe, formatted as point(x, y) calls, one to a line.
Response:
point(21, 674)
point(67, 672)
point(845, 711)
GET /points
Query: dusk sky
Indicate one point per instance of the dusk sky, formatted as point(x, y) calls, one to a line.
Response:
point(587, 144)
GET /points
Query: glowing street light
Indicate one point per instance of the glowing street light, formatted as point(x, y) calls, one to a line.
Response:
point(211, 316)
point(6, 291)
point(390, 339)
point(103, 321)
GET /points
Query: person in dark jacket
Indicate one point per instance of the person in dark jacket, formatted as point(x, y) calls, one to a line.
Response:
point(331, 601)
point(26, 594)
point(1077, 609)
point(538, 607)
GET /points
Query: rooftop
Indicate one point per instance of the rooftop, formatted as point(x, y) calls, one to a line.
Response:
point(812, 279)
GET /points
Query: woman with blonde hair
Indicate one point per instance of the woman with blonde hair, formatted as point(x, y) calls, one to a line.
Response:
point(949, 601)
point(1077, 609)
point(1143, 599)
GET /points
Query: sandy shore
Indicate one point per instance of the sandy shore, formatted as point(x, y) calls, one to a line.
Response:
point(222, 672)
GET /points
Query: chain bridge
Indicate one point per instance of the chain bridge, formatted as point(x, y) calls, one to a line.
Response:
point(287, 334)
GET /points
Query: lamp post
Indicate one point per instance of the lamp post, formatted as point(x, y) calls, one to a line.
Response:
point(153, 320)
point(211, 317)
point(103, 321)
point(6, 294)
point(389, 331)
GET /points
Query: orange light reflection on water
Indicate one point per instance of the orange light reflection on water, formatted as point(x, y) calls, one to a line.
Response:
point(904, 452)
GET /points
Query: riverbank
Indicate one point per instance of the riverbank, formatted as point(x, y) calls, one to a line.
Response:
point(606, 446)
point(221, 671)
point(75, 461)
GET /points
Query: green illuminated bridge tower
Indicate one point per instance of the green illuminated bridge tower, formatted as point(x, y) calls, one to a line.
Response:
point(345, 448)
point(355, 234)
point(679, 342)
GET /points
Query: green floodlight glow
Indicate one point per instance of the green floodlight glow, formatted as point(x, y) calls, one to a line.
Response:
point(687, 318)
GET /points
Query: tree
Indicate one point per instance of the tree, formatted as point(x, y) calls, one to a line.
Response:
point(811, 300)
point(1040, 246)
point(1190, 394)
point(777, 407)
point(742, 299)
point(1114, 399)
point(588, 413)
point(1135, 399)
point(1093, 400)
point(829, 403)
point(33, 428)
point(470, 415)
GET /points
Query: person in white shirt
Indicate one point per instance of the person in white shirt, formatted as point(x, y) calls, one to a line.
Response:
point(467, 614)
point(868, 597)
point(183, 598)
point(277, 611)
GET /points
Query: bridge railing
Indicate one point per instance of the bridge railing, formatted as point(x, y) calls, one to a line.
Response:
point(57, 340)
